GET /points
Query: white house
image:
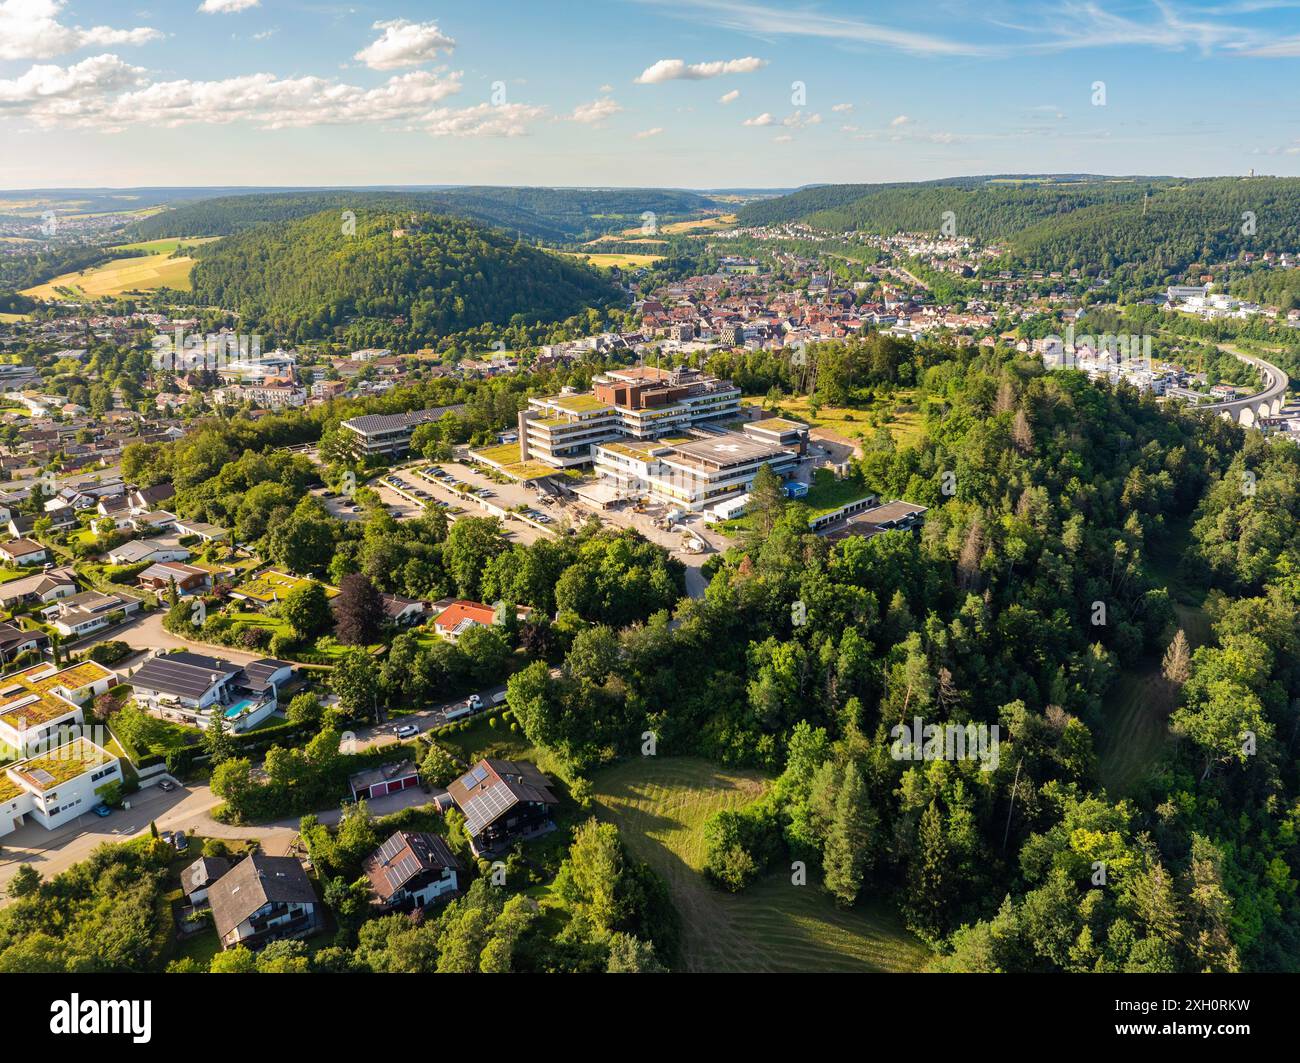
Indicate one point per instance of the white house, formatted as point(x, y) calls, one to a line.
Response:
point(56, 786)
point(37, 702)
point(189, 687)
point(23, 552)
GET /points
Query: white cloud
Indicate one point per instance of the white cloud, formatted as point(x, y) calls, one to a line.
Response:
point(404, 43)
point(646, 134)
point(784, 138)
point(596, 110)
point(729, 97)
point(763, 119)
point(842, 108)
point(899, 121)
point(30, 29)
point(678, 69)
point(799, 119)
point(607, 88)
point(105, 93)
point(483, 120)
point(226, 7)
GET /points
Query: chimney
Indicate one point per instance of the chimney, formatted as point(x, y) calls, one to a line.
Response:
point(523, 435)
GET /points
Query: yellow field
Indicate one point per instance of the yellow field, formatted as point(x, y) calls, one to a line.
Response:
point(117, 277)
point(621, 261)
point(9, 319)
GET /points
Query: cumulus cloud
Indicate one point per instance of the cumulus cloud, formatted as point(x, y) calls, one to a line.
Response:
point(30, 29)
point(107, 94)
point(226, 7)
point(483, 120)
point(404, 43)
point(596, 110)
point(900, 121)
point(646, 134)
point(680, 70)
point(729, 97)
point(763, 119)
point(799, 119)
point(842, 108)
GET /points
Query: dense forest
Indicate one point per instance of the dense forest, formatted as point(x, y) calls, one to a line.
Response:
point(551, 214)
point(401, 280)
point(1154, 226)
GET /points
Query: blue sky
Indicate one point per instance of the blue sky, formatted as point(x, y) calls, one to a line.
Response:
point(687, 93)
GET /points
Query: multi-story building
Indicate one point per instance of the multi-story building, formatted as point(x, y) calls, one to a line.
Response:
point(389, 435)
point(57, 785)
point(37, 702)
point(692, 473)
point(639, 403)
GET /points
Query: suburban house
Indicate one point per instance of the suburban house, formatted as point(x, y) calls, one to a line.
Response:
point(14, 640)
point(188, 687)
point(153, 522)
point(56, 786)
point(263, 899)
point(403, 611)
point(201, 529)
point(411, 870)
point(91, 611)
point(503, 802)
point(200, 875)
point(45, 586)
point(460, 615)
point(138, 550)
point(23, 552)
point(144, 499)
point(385, 779)
point(188, 579)
point(37, 702)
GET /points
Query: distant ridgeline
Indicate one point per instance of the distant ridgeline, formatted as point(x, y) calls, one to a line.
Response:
point(1063, 222)
point(398, 280)
point(552, 214)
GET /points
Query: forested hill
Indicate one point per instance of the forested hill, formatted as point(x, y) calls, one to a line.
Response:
point(552, 214)
point(1062, 222)
point(400, 280)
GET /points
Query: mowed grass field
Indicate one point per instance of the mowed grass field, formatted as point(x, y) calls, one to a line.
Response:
point(901, 417)
point(660, 805)
point(117, 277)
point(621, 261)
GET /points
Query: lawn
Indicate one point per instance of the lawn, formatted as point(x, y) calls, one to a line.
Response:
point(117, 277)
point(660, 806)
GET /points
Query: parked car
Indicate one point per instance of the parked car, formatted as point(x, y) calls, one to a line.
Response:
point(181, 841)
point(407, 730)
point(102, 811)
point(166, 786)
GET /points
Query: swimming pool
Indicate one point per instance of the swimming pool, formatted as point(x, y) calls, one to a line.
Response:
point(238, 707)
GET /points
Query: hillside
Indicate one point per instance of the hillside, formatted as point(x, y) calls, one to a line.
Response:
point(400, 280)
point(1156, 224)
point(549, 214)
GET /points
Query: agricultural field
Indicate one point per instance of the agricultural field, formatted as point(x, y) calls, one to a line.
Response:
point(166, 245)
point(660, 805)
point(615, 260)
point(118, 276)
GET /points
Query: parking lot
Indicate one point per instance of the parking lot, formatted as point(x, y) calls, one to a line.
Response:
point(462, 490)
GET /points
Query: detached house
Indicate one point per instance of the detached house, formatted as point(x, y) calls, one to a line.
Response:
point(189, 687)
point(91, 611)
point(503, 802)
point(23, 552)
point(411, 870)
point(263, 899)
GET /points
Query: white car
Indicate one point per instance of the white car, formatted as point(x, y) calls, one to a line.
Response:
point(407, 730)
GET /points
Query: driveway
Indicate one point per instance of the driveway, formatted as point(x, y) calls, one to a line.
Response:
point(147, 633)
point(187, 809)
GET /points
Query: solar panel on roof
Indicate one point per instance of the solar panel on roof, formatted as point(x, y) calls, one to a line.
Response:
point(479, 773)
point(391, 848)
